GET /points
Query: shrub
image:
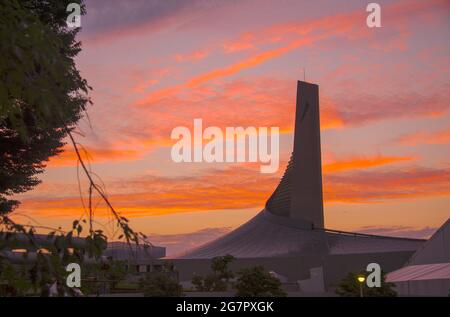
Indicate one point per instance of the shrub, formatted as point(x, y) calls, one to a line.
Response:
point(256, 282)
point(160, 285)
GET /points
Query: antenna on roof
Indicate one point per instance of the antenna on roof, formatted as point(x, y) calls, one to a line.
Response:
point(304, 73)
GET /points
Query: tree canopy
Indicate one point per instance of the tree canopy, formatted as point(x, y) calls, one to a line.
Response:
point(257, 282)
point(160, 285)
point(219, 279)
point(42, 94)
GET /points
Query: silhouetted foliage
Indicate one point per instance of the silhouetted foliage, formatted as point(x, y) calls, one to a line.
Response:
point(15, 280)
point(220, 264)
point(160, 285)
point(42, 95)
point(257, 282)
point(217, 281)
point(109, 273)
point(350, 287)
point(115, 272)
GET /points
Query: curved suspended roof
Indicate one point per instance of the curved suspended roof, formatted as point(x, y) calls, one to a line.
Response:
point(268, 235)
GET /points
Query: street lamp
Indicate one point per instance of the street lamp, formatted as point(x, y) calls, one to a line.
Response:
point(361, 280)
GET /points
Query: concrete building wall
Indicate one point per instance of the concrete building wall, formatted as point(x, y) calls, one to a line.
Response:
point(335, 267)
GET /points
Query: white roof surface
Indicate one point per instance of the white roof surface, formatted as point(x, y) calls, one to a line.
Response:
point(420, 272)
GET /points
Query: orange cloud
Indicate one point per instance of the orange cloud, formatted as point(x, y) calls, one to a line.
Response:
point(266, 102)
point(362, 163)
point(194, 56)
point(141, 87)
point(375, 187)
point(208, 97)
point(324, 28)
point(221, 72)
point(213, 190)
point(92, 154)
point(241, 187)
point(345, 25)
point(350, 25)
point(436, 137)
point(246, 63)
point(330, 117)
point(236, 47)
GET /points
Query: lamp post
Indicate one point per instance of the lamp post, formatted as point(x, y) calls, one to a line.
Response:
point(361, 280)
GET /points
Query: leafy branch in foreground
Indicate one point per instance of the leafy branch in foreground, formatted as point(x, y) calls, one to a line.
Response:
point(129, 234)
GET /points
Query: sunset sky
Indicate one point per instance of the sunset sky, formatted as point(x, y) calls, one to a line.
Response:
point(156, 65)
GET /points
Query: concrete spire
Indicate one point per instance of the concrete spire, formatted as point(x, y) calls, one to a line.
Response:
point(306, 192)
point(299, 194)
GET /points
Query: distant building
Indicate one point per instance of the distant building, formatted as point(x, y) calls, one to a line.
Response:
point(14, 245)
point(14, 248)
point(427, 272)
point(139, 259)
point(288, 236)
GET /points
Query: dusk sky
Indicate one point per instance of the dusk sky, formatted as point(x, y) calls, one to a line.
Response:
point(156, 65)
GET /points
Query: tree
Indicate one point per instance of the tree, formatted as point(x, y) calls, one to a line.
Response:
point(220, 264)
point(198, 283)
point(13, 281)
point(257, 282)
point(42, 95)
point(160, 285)
point(350, 287)
point(217, 281)
point(109, 272)
point(115, 272)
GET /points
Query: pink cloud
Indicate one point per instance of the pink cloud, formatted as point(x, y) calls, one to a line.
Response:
point(193, 56)
point(425, 137)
